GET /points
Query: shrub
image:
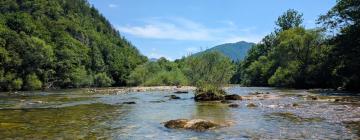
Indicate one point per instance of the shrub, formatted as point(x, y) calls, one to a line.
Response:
point(102, 80)
point(32, 82)
point(17, 84)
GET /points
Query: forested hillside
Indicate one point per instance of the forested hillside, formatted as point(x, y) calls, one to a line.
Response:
point(61, 43)
point(293, 56)
point(235, 51)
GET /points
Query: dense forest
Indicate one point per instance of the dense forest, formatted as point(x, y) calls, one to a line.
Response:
point(61, 43)
point(68, 43)
point(292, 56)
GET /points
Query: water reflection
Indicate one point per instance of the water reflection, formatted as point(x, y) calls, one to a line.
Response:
point(214, 111)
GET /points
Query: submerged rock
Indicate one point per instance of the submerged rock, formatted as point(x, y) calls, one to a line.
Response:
point(174, 97)
point(233, 97)
point(251, 105)
point(181, 92)
point(196, 124)
point(129, 102)
point(234, 105)
point(295, 104)
point(258, 93)
point(225, 102)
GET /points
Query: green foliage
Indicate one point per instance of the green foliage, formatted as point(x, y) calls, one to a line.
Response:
point(344, 18)
point(64, 43)
point(102, 80)
point(292, 57)
point(285, 76)
point(296, 57)
point(209, 92)
point(160, 73)
point(164, 78)
point(32, 82)
point(16, 84)
point(290, 19)
point(209, 68)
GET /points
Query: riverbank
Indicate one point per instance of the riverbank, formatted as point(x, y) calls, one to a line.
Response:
point(121, 90)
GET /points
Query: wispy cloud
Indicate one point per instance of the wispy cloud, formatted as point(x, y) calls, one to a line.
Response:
point(113, 5)
point(185, 29)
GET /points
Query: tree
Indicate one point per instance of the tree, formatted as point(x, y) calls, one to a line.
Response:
point(290, 19)
point(61, 43)
point(209, 68)
point(344, 18)
point(208, 72)
point(33, 82)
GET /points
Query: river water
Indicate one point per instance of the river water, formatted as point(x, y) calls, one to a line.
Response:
point(79, 114)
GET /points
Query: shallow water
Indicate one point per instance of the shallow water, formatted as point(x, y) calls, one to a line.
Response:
point(78, 114)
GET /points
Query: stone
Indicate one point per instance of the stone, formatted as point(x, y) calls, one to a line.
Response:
point(251, 105)
point(234, 105)
point(195, 124)
point(209, 97)
point(129, 102)
point(181, 92)
point(233, 97)
point(174, 97)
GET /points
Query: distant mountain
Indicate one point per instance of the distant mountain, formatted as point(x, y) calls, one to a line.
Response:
point(235, 51)
point(153, 59)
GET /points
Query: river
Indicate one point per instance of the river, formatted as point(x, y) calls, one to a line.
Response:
point(80, 114)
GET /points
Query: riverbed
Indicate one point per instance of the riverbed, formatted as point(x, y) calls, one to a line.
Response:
point(139, 114)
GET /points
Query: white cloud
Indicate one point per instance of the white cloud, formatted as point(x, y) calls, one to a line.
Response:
point(184, 29)
point(113, 5)
point(178, 29)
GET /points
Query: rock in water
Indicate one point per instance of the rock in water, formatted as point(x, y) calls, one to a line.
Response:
point(233, 97)
point(176, 124)
point(251, 105)
point(209, 94)
point(209, 97)
point(174, 97)
point(129, 102)
point(234, 105)
point(196, 124)
point(181, 92)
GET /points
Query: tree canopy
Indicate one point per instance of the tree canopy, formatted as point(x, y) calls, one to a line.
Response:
point(61, 43)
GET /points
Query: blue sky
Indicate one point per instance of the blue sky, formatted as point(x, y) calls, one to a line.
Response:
point(176, 28)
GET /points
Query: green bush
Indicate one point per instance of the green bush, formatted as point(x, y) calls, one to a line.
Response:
point(17, 84)
point(209, 92)
point(102, 80)
point(33, 82)
point(166, 78)
point(209, 68)
point(160, 73)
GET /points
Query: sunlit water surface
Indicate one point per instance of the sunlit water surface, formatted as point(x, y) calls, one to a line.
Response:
point(78, 114)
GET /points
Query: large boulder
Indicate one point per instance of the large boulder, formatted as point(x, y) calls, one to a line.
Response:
point(196, 124)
